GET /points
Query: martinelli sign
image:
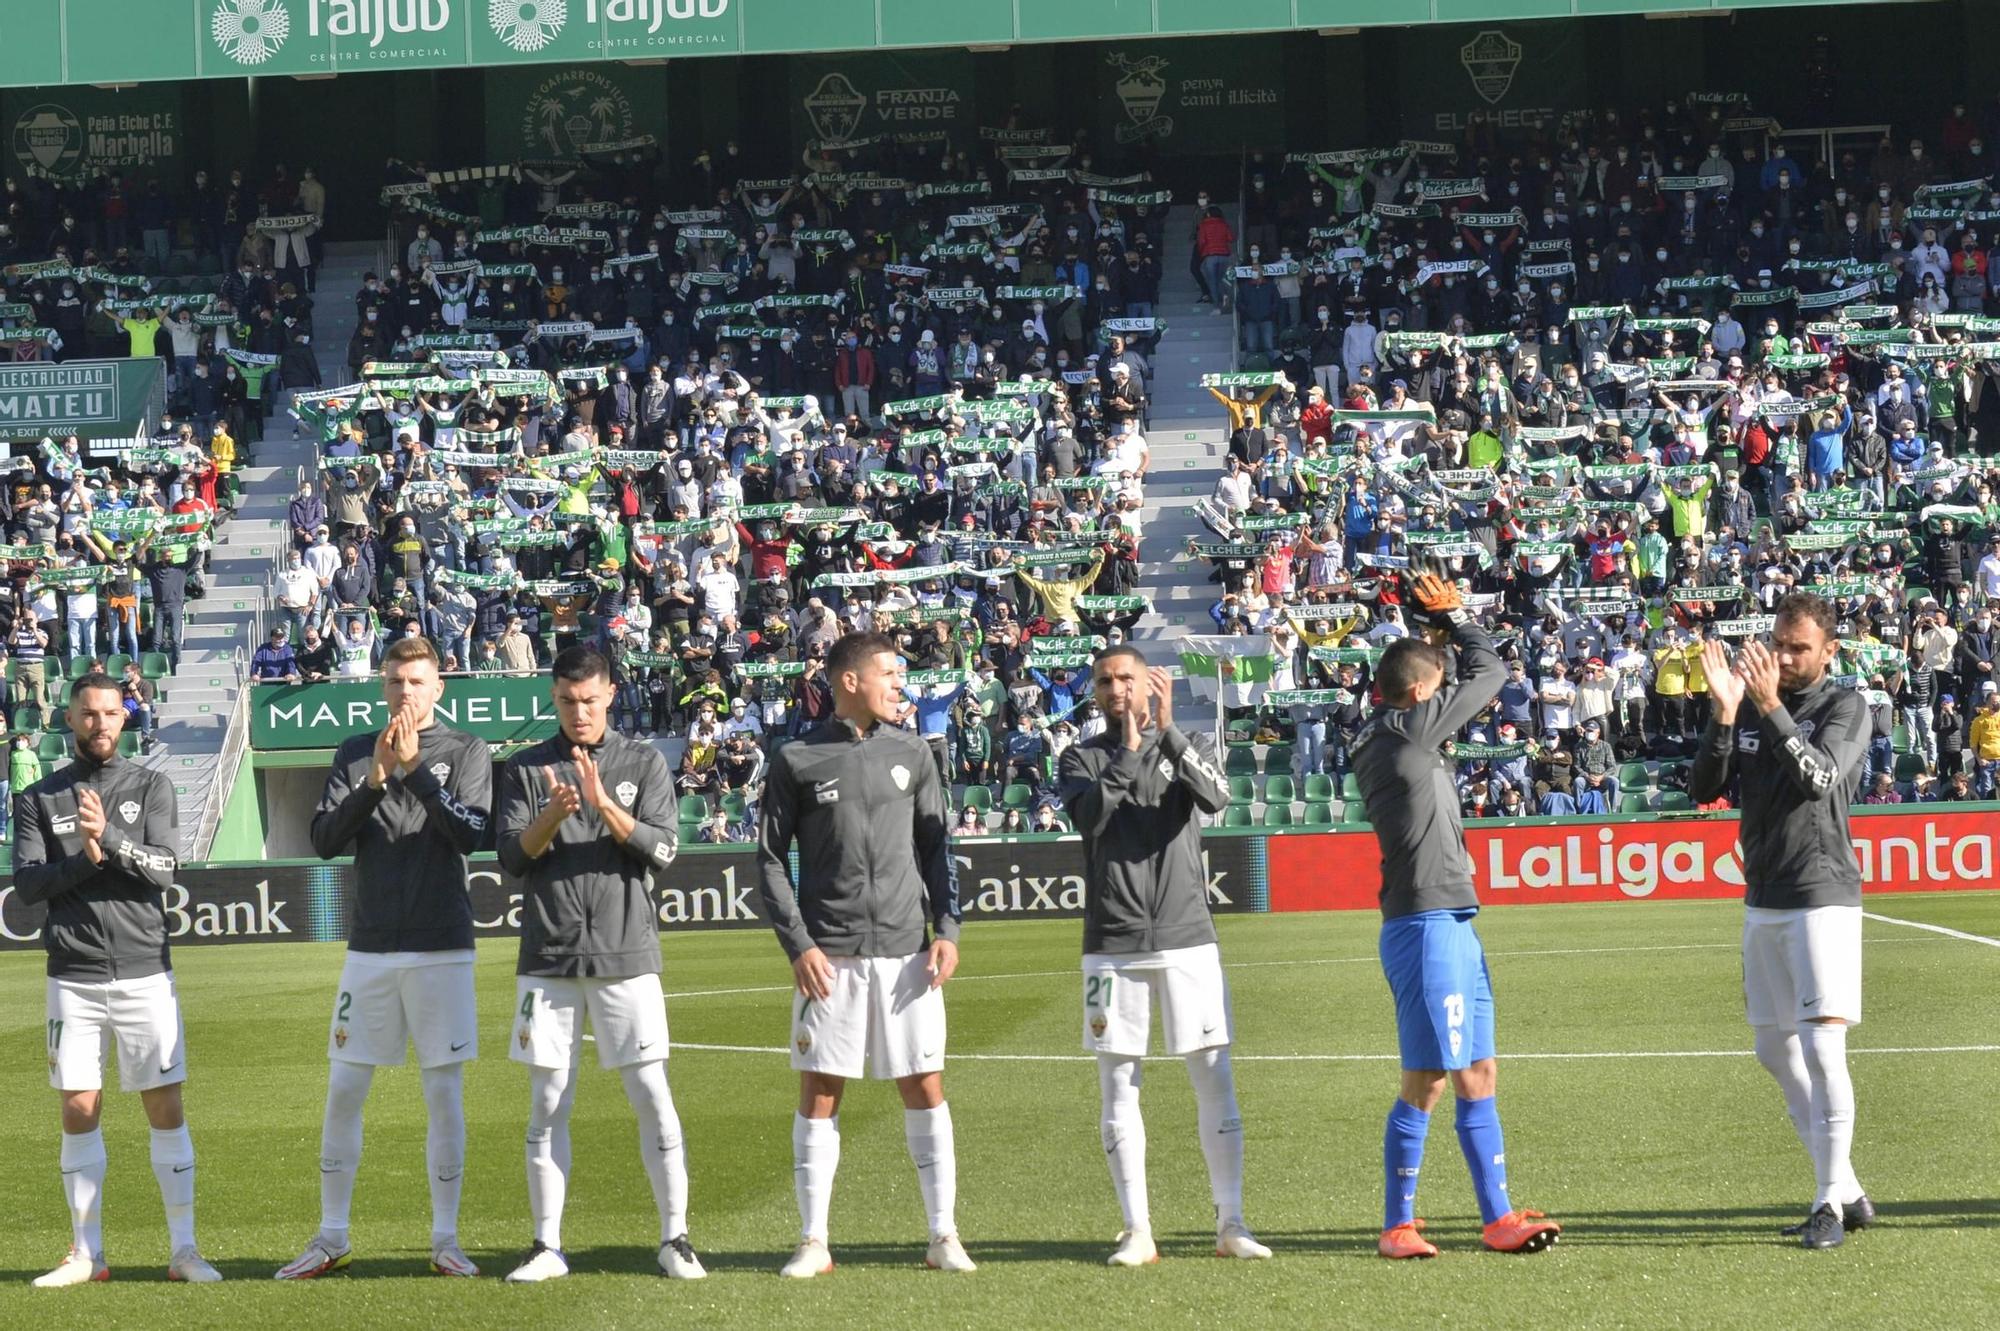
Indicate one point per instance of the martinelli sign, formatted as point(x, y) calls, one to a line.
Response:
point(500, 709)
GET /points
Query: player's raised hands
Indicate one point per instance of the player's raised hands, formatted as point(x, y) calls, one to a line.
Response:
point(1757, 665)
point(1725, 688)
point(90, 820)
point(589, 783)
point(386, 758)
point(1159, 697)
point(564, 798)
point(404, 728)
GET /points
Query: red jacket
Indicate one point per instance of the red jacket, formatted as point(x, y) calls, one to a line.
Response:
point(1214, 237)
point(864, 368)
point(1316, 422)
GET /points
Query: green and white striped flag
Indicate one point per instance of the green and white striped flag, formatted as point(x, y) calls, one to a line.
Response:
point(1237, 668)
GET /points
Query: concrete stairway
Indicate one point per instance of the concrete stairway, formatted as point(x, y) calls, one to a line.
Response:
point(1188, 435)
point(198, 700)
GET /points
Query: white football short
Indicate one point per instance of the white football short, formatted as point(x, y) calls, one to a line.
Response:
point(628, 1018)
point(142, 1017)
point(1119, 990)
point(388, 1000)
point(883, 1019)
point(1800, 965)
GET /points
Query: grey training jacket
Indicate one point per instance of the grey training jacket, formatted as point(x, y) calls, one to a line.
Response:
point(1406, 779)
point(1800, 767)
point(1145, 887)
point(106, 921)
point(874, 839)
point(589, 909)
point(409, 839)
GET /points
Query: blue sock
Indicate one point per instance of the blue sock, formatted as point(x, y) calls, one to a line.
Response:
point(1402, 1156)
point(1485, 1155)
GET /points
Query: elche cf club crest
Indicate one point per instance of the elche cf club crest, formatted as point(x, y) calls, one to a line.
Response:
point(835, 108)
point(1141, 88)
point(626, 792)
point(1491, 58)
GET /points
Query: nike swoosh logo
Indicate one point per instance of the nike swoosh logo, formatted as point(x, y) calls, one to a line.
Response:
point(647, 1045)
point(460, 1045)
point(1208, 1030)
point(182, 1169)
point(169, 1068)
point(78, 1170)
point(930, 1054)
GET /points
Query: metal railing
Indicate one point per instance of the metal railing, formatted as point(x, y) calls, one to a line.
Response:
point(1243, 250)
point(235, 739)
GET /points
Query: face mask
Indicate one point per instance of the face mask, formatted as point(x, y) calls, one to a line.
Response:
point(1324, 315)
point(1660, 255)
point(1488, 237)
point(1548, 219)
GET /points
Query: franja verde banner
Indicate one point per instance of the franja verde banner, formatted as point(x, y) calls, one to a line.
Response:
point(500, 709)
point(63, 42)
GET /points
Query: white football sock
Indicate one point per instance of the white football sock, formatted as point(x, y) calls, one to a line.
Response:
point(83, 1188)
point(1825, 1044)
point(660, 1145)
point(551, 1092)
point(935, 1154)
point(1124, 1135)
point(1780, 1053)
point(815, 1158)
point(173, 1166)
point(1221, 1130)
point(444, 1146)
point(340, 1146)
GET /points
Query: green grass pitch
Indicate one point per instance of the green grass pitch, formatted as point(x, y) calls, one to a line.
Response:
point(1642, 1123)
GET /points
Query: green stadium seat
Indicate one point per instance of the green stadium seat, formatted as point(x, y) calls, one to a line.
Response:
point(1242, 790)
point(128, 744)
point(1237, 815)
point(1278, 760)
point(154, 665)
point(1239, 732)
point(52, 748)
point(690, 832)
point(1672, 774)
point(1632, 801)
point(1635, 776)
point(1354, 813)
point(694, 809)
point(1278, 815)
point(978, 797)
point(1018, 796)
point(1319, 815)
point(1899, 739)
point(57, 720)
point(1915, 595)
point(1350, 789)
point(734, 805)
point(114, 666)
point(1278, 790)
point(1908, 765)
point(79, 667)
point(1320, 788)
point(1240, 762)
point(1674, 801)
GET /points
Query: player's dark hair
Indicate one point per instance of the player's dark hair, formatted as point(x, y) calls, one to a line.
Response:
point(1804, 605)
point(1113, 652)
point(96, 679)
point(854, 651)
point(1405, 662)
point(579, 665)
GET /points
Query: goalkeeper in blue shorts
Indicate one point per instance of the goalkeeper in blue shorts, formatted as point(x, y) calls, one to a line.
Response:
point(1430, 952)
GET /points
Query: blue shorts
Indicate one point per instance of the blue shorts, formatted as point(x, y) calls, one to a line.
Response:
point(1444, 999)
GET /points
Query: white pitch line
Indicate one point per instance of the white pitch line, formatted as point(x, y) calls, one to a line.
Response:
point(1366, 1058)
point(1932, 928)
point(1324, 961)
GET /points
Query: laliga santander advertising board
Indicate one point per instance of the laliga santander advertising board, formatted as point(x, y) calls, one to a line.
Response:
point(1638, 860)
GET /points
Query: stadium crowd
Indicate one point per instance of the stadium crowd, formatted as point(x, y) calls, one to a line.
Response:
point(1630, 382)
point(1630, 385)
point(710, 423)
